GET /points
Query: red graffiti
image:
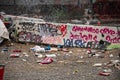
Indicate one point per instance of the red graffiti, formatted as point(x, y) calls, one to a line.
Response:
point(107, 31)
point(63, 29)
point(113, 40)
point(84, 37)
point(88, 29)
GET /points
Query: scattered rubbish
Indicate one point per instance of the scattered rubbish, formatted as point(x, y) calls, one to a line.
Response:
point(79, 61)
point(70, 52)
point(65, 50)
point(5, 49)
point(54, 49)
point(81, 57)
point(60, 47)
point(48, 48)
point(17, 51)
point(107, 70)
point(25, 54)
point(76, 71)
point(111, 55)
point(24, 60)
point(115, 63)
point(98, 64)
point(89, 51)
point(50, 55)
point(2, 67)
point(14, 55)
point(104, 73)
point(46, 61)
point(38, 49)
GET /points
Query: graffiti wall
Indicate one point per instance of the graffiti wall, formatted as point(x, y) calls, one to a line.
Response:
point(47, 33)
point(67, 34)
point(88, 35)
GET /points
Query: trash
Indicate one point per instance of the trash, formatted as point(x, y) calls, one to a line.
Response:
point(60, 47)
point(50, 55)
point(17, 51)
point(24, 59)
point(38, 49)
point(76, 71)
point(70, 52)
point(111, 55)
point(48, 48)
point(2, 71)
point(107, 70)
point(81, 57)
point(40, 56)
point(98, 64)
point(14, 55)
point(65, 50)
point(25, 54)
point(5, 49)
point(104, 73)
point(115, 63)
point(46, 61)
point(54, 49)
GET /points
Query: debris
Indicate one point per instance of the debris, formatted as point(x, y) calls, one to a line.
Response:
point(111, 55)
point(50, 55)
point(60, 47)
point(48, 47)
point(115, 63)
point(81, 57)
point(17, 51)
point(65, 50)
point(38, 49)
point(70, 52)
point(76, 71)
point(46, 61)
point(107, 70)
point(14, 55)
point(5, 49)
point(104, 73)
point(54, 49)
point(98, 64)
point(2, 71)
point(24, 60)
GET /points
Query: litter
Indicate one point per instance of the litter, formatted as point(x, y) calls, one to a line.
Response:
point(14, 55)
point(38, 49)
point(46, 61)
point(98, 64)
point(104, 73)
point(50, 55)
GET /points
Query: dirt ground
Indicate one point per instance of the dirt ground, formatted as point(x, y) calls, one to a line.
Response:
point(72, 65)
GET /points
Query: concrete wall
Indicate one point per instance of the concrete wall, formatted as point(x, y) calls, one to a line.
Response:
point(66, 34)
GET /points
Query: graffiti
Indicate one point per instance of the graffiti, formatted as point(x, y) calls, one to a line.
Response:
point(88, 29)
point(113, 40)
point(47, 29)
point(29, 37)
point(52, 40)
point(63, 29)
point(84, 37)
point(27, 26)
point(82, 44)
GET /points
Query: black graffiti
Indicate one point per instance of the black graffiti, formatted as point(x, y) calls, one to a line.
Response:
point(27, 26)
point(29, 37)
